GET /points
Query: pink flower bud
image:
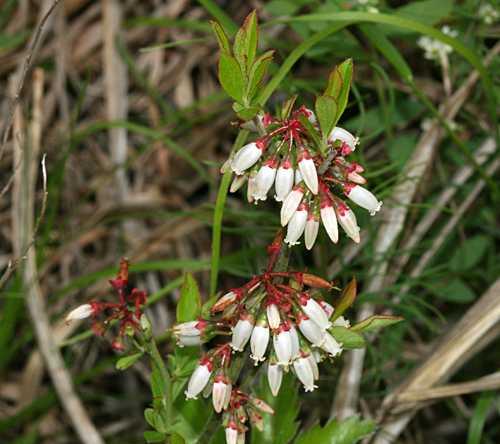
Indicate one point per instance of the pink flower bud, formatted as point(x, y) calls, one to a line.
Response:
point(314, 311)
point(237, 183)
point(344, 136)
point(308, 171)
point(265, 179)
point(261, 405)
point(304, 372)
point(284, 180)
point(296, 225)
point(347, 220)
point(362, 197)
point(309, 114)
point(247, 156)
point(331, 346)
point(242, 332)
point(259, 341)
point(311, 331)
point(290, 204)
point(311, 230)
point(231, 432)
point(283, 345)
point(226, 300)
point(273, 316)
point(199, 379)
point(80, 312)
point(356, 178)
point(221, 393)
point(329, 220)
point(274, 377)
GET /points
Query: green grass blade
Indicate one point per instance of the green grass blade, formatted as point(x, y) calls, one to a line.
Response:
point(226, 22)
point(479, 418)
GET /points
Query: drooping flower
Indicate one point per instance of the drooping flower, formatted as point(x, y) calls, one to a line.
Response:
point(290, 204)
point(362, 197)
point(247, 156)
point(259, 340)
point(242, 332)
point(282, 342)
point(297, 225)
point(80, 312)
point(347, 220)
point(314, 311)
point(304, 372)
point(199, 379)
point(221, 393)
point(284, 180)
point(274, 377)
point(308, 170)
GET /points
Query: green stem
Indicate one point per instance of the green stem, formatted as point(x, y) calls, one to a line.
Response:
point(218, 216)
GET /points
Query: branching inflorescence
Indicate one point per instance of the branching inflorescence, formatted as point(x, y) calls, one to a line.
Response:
point(280, 318)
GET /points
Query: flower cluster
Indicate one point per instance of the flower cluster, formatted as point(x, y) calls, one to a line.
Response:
point(127, 311)
point(283, 318)
point(310, 182)
point(434, 49)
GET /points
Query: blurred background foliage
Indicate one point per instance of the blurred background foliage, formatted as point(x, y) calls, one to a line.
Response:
point(153, 202)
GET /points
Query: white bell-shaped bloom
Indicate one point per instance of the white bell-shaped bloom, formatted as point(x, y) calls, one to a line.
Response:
point(314, 365)
point(341, 322)
point(282, 343)
point(311, 231)
point(221, 393)
point(311, 331)
point(264, 179)
point(231, 432)
point(284, 180)
point(296, 225)
point(295, 341)
point(247, 157)
point(274, 377)
point(364, 198)
point(329, 220)
point(199, 379)
point(328, 308)
point(330, 345)
point(242, 332)
point(344, 136)
point(347, 220)
point(308, 171)
point(304, 372)
point(290, 204)
point(273, 316)
point(259, 341)
point(314, 311)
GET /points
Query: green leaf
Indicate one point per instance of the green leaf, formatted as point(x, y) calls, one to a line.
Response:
point(191, 418)
point(127, 361)
point(245, 42)
point(257, 73)
point(339, 85)
point(349, 431)
point(479, 418)
point(281, 427)
point(455, 290)
point(326, 112)
point(155, 419)
point(189, 305)
point(154, 436)
point(469, 254)
point(222, 38)
point(181, 365)
point(311, 130)
point(347, 337)
point(375, 322)
point(231, 77)
point(429, 12)
point(346, 299)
